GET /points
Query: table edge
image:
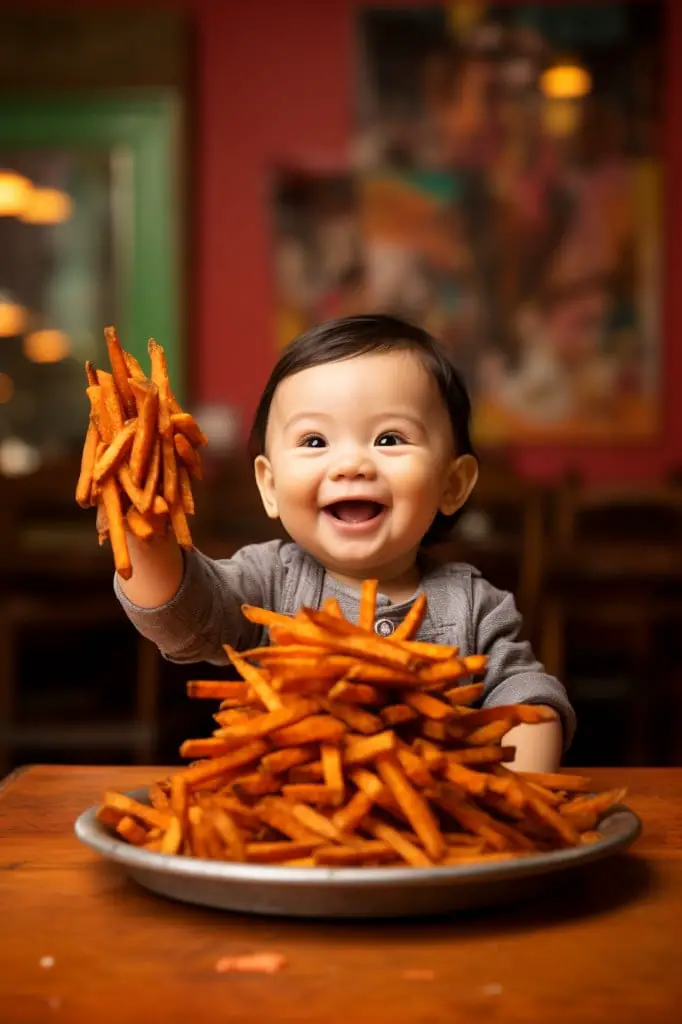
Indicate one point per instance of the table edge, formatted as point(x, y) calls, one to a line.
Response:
point(10, 779)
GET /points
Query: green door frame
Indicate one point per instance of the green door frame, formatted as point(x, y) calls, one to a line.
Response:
point(146, 126)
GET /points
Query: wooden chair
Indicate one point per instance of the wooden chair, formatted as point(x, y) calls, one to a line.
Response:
point(53, 576)
point(615, 570)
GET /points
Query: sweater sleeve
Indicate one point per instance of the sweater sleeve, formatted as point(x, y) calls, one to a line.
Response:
point(205, 613)
point(514, 675)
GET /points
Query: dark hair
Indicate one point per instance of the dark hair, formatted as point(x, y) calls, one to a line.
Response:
point(352, 336)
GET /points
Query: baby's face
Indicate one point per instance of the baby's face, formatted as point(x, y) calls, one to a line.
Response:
point(360, 457)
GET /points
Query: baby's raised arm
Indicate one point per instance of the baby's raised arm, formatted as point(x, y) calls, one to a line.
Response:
point(190, 605)
point(158, 568)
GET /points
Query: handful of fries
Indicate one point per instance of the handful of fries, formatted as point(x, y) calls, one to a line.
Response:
point(140, 454)
point(341, 747)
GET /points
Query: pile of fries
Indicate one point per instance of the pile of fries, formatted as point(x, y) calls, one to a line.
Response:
point(140, 453)
point(341, 747)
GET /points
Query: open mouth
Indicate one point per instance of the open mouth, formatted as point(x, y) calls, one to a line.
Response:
point(355, 511)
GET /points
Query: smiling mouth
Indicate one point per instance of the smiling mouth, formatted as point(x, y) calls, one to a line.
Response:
point(354, 510)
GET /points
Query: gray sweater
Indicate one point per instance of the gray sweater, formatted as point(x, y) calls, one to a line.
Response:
point(463, 609)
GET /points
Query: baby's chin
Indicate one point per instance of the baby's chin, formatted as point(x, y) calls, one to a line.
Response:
point(352, 560)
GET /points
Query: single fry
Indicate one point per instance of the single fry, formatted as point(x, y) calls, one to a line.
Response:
point(180, 525)
point(205, 771)
point(370, 851)
point(90, 374)
point(189, 455)
point(403, 846)
point(140, 812)
point(493, 732)
point(170, 471)
point(186, 496)
point(151, 483)
point(332, 769)
point(310, 771)
point(147, 398)
point(350, 817)
point(459, 695)
point(397, 714)
point(413, 805)
point(361, 749)
point(316, 822)
point(481, 755)
point(310, 793)
point(211, 689)
point(558, 780)
point(409, 627)
point(132, 831)
point(111, 403)
point(429, 706)
point(133, 367)
point(120, 370)
point(172, 839)
point(316, 729)
point(255, 784)
point(99, 414)
point(187, 425)
point(257, 679)
point(355, 693)
point(211, 746)
point(102, 524)
point(84, 485)
point(116, 452)
point(159, 374)
point(368, 603)
point(269, 722)
point(354, 717)
point(278, 852)
point(111, 500)
point(283, 760)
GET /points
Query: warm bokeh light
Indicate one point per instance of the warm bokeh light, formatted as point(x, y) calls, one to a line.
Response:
point(49, 346)
point(6, 388)
point(15, 193)
point(47, 206)
point(565, 82)
point(13, 317)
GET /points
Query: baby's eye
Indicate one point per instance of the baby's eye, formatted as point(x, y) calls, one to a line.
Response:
point(312, 441)
point(389, 439)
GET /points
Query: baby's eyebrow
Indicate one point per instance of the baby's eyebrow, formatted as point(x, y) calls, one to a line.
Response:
point(307, 415)
point(399, 414)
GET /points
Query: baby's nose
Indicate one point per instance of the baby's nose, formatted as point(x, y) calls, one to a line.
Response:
point(353, 465)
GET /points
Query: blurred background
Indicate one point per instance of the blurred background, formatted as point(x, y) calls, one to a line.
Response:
point(220, 176)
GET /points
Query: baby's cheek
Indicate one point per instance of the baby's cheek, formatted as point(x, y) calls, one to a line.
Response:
point(415, 479)
point(292, 475)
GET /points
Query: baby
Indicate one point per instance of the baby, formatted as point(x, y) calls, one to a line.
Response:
point(361, 447)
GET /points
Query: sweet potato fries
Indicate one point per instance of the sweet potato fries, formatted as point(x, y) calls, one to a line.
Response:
point(339, 747)
point(140, 454)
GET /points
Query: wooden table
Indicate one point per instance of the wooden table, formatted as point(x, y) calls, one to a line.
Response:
point(608, 949)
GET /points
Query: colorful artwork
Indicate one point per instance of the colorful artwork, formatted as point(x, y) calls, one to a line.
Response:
point(505, 192)
point(318, 250)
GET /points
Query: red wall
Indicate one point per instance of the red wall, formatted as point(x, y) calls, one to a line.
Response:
point(275, 84)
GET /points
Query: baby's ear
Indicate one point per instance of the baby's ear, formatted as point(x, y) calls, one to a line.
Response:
point(460, 481)
point(266, 485)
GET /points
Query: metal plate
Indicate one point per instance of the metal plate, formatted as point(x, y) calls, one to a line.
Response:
point(351, 892)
